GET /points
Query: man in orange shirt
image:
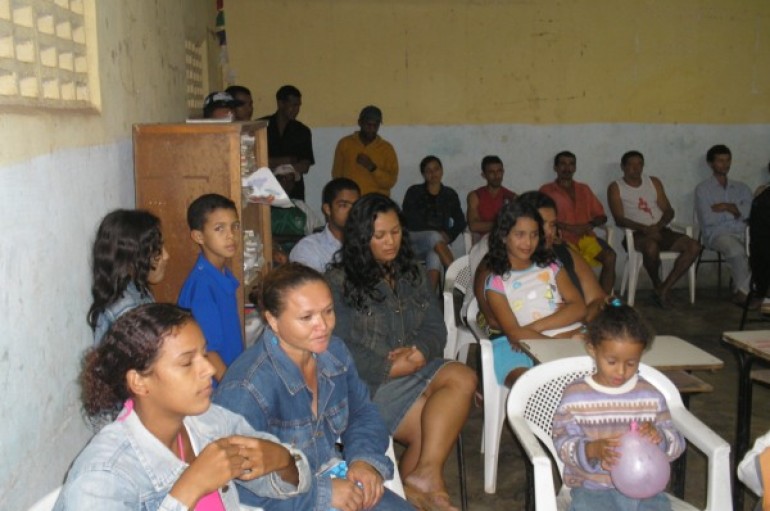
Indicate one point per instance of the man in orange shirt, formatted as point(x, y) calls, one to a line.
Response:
point(365, 157)
point(578, 211)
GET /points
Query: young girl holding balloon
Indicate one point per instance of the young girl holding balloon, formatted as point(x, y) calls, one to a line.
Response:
point(597, 411)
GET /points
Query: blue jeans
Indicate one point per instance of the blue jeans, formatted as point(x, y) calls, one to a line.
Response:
point(423, 243)
point(613, 500)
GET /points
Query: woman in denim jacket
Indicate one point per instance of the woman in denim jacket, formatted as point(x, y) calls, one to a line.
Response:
point(170, 448)
point(300, 384)
point(390, 321)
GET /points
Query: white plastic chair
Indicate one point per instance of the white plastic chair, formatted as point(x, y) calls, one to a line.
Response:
point(395, 485)
point(494, 403)
point(467, 240)
point(47, 502)
point(634, 265)
point(459, 337)
point(533, 401)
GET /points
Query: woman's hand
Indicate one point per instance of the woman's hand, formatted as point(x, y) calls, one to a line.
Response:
point(604, 451)
point(346, 495)
point(369, 480)
point(263, 457)
point(405, 361)
point(215, 466)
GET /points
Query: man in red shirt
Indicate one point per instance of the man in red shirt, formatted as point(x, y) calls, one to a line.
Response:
point(578, 211)
point(484, 203)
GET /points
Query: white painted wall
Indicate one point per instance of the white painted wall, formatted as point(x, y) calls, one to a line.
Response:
point(60, 172)
point(49, 209)
point(674, 153)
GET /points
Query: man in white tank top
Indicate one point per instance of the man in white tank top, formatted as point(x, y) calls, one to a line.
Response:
point(639, 203)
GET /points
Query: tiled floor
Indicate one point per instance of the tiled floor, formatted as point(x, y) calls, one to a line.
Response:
point(701, 324)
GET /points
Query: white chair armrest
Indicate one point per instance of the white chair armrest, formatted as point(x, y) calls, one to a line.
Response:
point(683, 228)
point(716, 449)
point(697, 433)
point(541, 463)
point(451, 326)
point(629, 234)
point(609, 233)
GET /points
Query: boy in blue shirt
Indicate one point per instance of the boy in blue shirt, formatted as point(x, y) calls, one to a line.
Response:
point(209, 290)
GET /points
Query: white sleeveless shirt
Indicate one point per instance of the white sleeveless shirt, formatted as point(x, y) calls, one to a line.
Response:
point(640, 204)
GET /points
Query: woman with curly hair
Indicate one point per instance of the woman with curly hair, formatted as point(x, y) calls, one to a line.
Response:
point(169, 448)
point(127, 257)
point(528, 294)
point(390, 320)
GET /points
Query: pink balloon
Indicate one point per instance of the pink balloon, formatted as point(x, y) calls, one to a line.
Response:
point(643, 469)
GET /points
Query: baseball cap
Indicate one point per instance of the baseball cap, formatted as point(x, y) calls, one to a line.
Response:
point(219, 99)
point(370, 113)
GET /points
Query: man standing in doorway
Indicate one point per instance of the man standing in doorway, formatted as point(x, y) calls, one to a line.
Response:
point(365, 157)
point(578, 212)
point(639, 203)
point(723, 208)
point(288, 140)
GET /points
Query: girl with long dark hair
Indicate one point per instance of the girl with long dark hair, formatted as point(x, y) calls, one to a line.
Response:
point(527, 291)
point(127, 257)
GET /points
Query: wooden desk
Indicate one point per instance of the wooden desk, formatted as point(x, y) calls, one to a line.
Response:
point(667, 353)
point(748, 347)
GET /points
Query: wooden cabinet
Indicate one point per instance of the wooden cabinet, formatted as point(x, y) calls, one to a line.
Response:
point(176, 163)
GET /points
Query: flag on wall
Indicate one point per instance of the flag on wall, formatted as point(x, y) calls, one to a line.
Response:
point(220, 24)
point(228, 75)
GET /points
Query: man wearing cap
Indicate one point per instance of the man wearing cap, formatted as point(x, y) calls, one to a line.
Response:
point(365, 157)
point(246, 108)
point(220, 105)
point(289, 142)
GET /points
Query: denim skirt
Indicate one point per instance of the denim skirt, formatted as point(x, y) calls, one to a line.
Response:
point(396, 396)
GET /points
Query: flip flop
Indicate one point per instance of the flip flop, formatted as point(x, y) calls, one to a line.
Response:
point(428, 501)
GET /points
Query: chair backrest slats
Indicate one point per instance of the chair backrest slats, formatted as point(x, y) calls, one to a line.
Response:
point(458, 275)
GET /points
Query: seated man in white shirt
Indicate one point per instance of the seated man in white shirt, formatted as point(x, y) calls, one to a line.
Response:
point(639, 202)
point(318, 250)
point(723, 207)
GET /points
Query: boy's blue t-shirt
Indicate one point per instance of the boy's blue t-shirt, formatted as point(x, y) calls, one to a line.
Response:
point(210, 295)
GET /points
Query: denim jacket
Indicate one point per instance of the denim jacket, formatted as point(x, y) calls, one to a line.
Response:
point(125, 467)
point(268, 389)
point(410, 316)
point(130, 299)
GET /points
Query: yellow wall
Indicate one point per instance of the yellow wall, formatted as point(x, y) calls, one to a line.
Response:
point(141, 73)
point(496, 61)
